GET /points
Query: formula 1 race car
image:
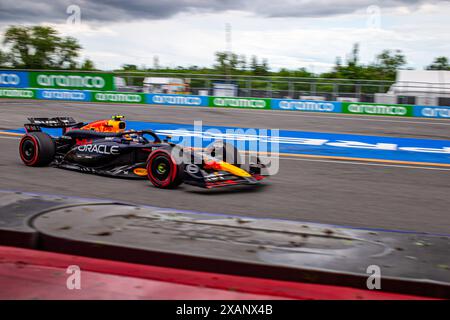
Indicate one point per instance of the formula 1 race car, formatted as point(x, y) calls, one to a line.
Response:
point(104, 147)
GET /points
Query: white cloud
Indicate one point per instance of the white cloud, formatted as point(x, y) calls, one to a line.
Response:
point(192, 38)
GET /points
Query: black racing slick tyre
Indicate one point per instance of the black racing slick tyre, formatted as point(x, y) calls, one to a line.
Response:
point(37, 149)
point(163, 171)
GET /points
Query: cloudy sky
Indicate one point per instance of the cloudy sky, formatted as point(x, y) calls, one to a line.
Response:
point(289, 33)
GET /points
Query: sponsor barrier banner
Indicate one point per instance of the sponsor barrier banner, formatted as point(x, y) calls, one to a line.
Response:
point(374, 109)
point(176, 99)
point(18, 78)
point(236, 102)
point(119, 97)
point(432, 112)
point(71, 80)
point(71, 95)
point(17, 93)
point(14, 79)
point(306, 105)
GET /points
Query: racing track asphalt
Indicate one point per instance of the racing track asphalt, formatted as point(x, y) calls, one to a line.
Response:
point(326, 191)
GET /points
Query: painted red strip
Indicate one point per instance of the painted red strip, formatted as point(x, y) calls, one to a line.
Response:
point(26, 274)
point(27, 281)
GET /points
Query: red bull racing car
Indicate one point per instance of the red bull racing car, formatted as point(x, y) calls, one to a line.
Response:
point(105, 147)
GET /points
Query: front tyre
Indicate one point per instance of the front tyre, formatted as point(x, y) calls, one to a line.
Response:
point(163, 171)
point(37, 149)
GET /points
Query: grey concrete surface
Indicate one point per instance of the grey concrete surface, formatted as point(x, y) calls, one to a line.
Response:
point(349, 194)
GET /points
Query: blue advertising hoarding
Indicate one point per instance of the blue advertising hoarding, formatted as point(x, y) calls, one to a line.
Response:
point(176, 100)
point(71, 95)
point(13, 79)
point(306, 105)
point(431, 112)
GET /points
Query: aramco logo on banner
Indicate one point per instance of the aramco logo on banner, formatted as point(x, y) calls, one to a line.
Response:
point(13, 79)
point(72, 80)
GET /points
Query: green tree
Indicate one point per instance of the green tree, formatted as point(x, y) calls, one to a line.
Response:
point(40, 47)
point(254, 64)
point(264, 68)
point(353, 58)
point(3, 59)
point(302, 73)
point(388, 62)
point(226, 62)
point(221, 62)
point(129, 67)
point(259, 69)
point(439, 63)
point(66, 52)
point(242, 63)
point(385, 67)
point(88, 65)
point(352, 69)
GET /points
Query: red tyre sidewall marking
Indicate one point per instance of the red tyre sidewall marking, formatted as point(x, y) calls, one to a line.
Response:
point(173, 168)
point(36, 150)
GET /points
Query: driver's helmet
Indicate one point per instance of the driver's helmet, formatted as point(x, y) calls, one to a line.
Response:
point(118, 123)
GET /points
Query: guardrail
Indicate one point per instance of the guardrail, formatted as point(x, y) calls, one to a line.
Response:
point(362, 108)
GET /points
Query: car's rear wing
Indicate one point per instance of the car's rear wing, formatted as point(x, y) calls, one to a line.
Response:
point(35, 124)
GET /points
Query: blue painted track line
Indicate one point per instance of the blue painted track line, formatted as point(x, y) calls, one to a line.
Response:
point(305, 143)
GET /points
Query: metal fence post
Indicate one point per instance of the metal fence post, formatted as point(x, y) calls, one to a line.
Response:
point(291, 90)
point(358, 91)
point(312, 88)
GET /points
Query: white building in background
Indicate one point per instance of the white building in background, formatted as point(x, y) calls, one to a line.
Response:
point(427, 88)
point(166, 85)
point(225, 89)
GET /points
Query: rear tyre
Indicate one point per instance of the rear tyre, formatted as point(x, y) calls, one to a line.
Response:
point(163, 171)
point(37, 149)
